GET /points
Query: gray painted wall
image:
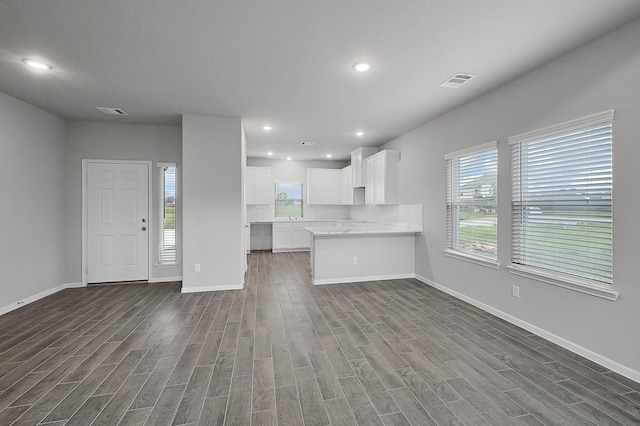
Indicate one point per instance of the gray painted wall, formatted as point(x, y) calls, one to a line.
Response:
point(213, 202)
point(115, 141)
point(32, 253)
point(597, 77)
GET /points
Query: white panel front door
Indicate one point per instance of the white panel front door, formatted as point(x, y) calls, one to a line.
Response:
point(117, 222)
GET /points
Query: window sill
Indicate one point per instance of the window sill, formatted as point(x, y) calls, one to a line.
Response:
point(478, 260)
point(561, 280)
point(166, 265)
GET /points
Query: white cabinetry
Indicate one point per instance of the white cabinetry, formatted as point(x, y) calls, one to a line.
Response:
point(346, 194)
point(381, 178)
point(324, 186)
point(300, 237)
point(357, 164)
point(258, 185)
point(291, 236)
point(282, 238)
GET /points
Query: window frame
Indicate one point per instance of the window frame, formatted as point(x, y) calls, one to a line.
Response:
point(275, 204)
point(162, 210)
point(451, 206)
point(521, 201)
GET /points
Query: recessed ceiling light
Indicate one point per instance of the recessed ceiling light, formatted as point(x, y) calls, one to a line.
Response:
point(329, 155)
point(39, 65)
point(266, 127)
point(269, 153)
point(362, 66)
point(288, 158)
point(360, 133)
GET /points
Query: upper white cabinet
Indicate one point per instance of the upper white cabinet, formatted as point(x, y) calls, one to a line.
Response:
point(324, 186)
point(357, 164)
point(258, 185)
point(346, 194)
point(381, 178)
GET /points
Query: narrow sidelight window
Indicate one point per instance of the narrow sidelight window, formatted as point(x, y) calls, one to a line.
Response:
point(167, 239)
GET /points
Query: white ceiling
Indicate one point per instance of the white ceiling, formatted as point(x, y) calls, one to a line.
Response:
point(285, 62)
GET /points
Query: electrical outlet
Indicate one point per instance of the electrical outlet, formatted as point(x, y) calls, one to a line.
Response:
point(515, 291)
point(355, 260)
point(197, 268)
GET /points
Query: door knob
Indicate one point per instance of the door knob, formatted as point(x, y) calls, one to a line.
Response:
point(144, 220)
point(144, 228)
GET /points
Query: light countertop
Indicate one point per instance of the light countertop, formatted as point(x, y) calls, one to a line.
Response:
point(360, 229)
point(305, 220)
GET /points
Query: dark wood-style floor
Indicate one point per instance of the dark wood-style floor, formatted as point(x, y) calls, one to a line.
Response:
point(284, 352)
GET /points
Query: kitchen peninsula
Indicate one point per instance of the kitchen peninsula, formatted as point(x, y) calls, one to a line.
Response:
point(362, 252)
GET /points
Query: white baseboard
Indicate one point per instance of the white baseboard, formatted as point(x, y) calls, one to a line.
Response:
point(211, 288)
point(362, 279)
point(567, 344)
point(165, 279)
point(31, 299)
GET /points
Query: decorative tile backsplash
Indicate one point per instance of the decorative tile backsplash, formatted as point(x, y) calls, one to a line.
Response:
point(405, 215)
point(266, 212)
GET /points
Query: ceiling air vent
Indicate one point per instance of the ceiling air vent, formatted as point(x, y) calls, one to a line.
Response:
point(112, 111)
point(456, 80)
point(307, 143)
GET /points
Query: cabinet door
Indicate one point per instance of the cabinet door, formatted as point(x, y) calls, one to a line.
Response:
point(258, 185)
point(301, 237)
point(331, 186)
point(315, 181)
point(323, 186)
point(281, 238)
point(346, 196)
point(264, 191)
point(249, 186)
point(369, 181)
point(357, 175)
point(379, 180)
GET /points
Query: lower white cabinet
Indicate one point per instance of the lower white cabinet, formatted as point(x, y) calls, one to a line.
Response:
point(282, 237)
point(301, 238)
point(291, 236)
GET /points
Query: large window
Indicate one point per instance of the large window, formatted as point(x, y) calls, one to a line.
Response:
point(561, 201)
point(288, 199)
point(472, 190)
point(167, 239)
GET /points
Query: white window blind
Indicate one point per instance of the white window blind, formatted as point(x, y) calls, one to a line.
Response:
point(472, 196)
point(167, 239)
point(561, 199)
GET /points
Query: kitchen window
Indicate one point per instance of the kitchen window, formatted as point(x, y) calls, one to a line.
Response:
point(167, 238)
point(288, 202)
point(561, 204)
point(472, 199)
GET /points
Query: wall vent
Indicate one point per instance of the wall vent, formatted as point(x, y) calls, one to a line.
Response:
point(112, 111)
point(456, 80)
point(307, 143)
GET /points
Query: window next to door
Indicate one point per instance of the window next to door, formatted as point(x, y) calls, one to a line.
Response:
point(167, 238)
